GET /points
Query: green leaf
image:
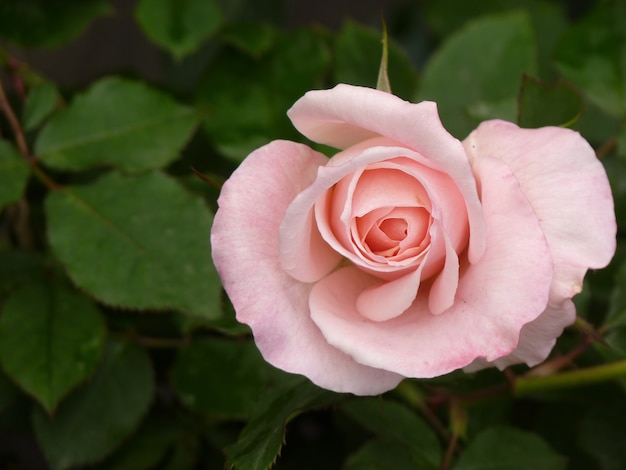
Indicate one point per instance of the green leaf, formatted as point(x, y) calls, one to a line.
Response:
point(549, 21)
point(45, 23)
point(261, 440)
point(592, 54)
point(253, 38)
point(17, 267)
point(147, 447)
point(621, 143)
point(50, 340)
point(95, 419)
point(179, 26)
point(116, 122)
point(14, 171)
point(507, 448)
point(540, 104)
point(472, 67)
point(246, 101)
point(357, 61)
point(8, 393)
point(219, 376)
point(380, 454)
point(40, 103)
point(138, 242)
point(239, 113)
point(602, 434)
point(397, 424)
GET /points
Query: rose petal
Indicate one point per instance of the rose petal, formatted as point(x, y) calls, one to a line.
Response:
point(568, 189)
point(496, 296)
point(245, 251)
point(347, 115)
point(295, 235)
point(388, 300)
point(537, 339)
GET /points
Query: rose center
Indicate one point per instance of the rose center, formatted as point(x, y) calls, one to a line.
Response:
point(395, 229)
point(392, 233)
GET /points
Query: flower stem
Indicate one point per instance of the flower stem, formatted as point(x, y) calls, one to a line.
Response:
point(20, 140)
point(591, 375)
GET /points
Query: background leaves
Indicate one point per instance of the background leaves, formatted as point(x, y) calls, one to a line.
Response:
point(118, 348)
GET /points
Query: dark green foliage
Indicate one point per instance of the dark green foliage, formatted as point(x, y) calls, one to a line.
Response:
point(118, 348)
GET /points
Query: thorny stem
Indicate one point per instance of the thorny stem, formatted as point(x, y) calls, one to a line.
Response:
point(20, 140)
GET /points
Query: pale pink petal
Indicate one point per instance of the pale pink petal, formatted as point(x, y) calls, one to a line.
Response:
point(537, 339)
point(507, 288)
point(245, 251)
point(443, 290)
point(346, 115)
point(294, 234)
point(568, 189)
point(388, 300)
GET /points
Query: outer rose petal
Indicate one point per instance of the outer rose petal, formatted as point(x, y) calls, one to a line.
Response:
point(537, 339)
point(568, 189)
point(346, 115)
point(507, 288)
point(244, 238)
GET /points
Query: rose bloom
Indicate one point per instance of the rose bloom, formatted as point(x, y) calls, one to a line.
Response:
point(409, 253)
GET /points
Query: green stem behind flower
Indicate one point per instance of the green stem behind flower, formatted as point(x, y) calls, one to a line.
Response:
point(591, 375)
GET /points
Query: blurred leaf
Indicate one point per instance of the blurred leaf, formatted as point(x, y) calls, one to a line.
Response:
point(116, 122)
point(40, 103)
point(548, 19)
point(219, 376)
point(226, 324)
point(471, 67)
point(8, 392)
point(592, 54)
point(247, 100)
point(253, 38)
point(540, 104)
point(397, 424)
point(357, 60)
point(46, 23)
point(179, 26)
point(380, 454)
point(146, 448)
point(616, 170)
point(602, 434)
point(136, 242)
point(483, 110)
point(238, 106)
point(50, 340)
point(506, 448)
point(299, 63)
point(14, 172)
point(17, 267)
point(621, 143)
point(261, 440)
point(95, 419)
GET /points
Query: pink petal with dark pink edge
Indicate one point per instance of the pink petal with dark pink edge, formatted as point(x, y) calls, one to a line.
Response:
point(245, 251)
point(506, 289)
point(346, 115)
point(566, 185)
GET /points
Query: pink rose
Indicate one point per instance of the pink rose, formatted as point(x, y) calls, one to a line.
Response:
point(409, 253)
